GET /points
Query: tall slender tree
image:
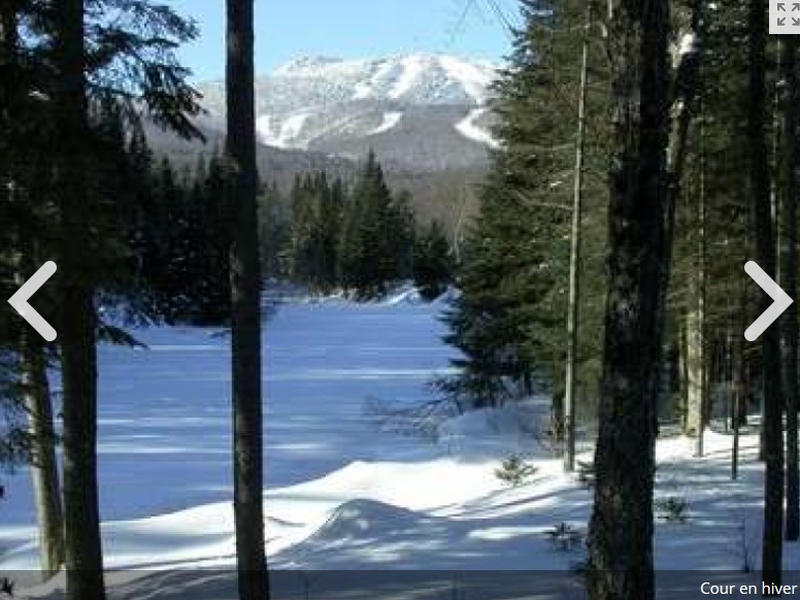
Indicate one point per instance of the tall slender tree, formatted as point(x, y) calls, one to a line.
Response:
point(573, 313)
point(245, 305)
point(759, 191)
point(621, 527)
point(22, 172)
point(44, 464)
point(789, 281)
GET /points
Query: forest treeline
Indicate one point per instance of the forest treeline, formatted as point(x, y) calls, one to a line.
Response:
point(357, 237)
point(670, 127)
point(360, 238)
point(510, 321)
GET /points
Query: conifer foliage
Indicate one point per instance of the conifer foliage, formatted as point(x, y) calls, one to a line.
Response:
point(510, 320)
point(180, 233)
point(362, 238)
point(76, 77)
point(377, 236)
point(317, 211)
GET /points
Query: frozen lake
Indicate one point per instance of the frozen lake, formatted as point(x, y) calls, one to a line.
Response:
point(165, 418)
point(343, 493)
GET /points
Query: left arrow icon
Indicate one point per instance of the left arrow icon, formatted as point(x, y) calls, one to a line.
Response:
point(19, 301)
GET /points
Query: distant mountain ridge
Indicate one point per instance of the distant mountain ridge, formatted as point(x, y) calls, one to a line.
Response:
point(422, 112)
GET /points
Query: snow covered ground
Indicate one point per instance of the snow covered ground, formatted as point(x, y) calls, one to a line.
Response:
point(345, 489)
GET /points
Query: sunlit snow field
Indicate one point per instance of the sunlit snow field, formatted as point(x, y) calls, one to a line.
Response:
point(165, 417)
point(344, 491)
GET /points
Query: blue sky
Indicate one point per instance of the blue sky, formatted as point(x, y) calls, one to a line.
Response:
point(287, 29)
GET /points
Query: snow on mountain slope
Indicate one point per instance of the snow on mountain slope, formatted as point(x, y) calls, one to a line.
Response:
point(475, 77)
point(366, 89)
point(282, 134)
point(390, 120)
point(469, 129)
point(413, 78)
point(413, 69)
point(338, 106)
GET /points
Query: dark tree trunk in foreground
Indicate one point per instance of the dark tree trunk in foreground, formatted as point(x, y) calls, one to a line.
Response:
point(759, 191)
point(84, 559)
point(245, 306)
point(621, 527)
point(789, 281)
point(44, 465)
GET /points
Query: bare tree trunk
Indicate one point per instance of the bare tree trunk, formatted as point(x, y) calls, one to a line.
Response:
point(736, 390)
point(77, 326)
point(686, 65)
point(699, 373)
point(621, 527)
point(759, 190)
point(575, 258)
point(695, 371)
point(704, 403)
point(44, 465)
point(245, 307)
point(789, 282)
point(775, 217)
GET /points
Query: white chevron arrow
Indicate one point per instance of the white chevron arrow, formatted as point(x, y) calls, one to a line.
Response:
point(781, 301)
point(20, 301)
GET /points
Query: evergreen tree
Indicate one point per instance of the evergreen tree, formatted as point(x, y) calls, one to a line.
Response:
point(317, 215)
point(328, 231)
point(16, 217)
point(306, 248)
point(274, 237)
point(86, 72)
point(377, 237)
point(510, 320)
point(433, 261)
point(179, 234)
point(399, 230)
point(213, 226)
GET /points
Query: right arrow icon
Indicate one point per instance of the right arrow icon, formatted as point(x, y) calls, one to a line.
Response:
point(781, 301)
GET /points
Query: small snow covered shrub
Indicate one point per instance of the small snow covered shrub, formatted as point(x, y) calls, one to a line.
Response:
point(565, 537)
point(674, 509)
point(514, 470)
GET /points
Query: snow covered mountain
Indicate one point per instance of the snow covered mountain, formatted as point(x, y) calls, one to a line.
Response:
point(418, 111)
